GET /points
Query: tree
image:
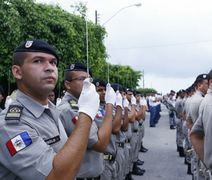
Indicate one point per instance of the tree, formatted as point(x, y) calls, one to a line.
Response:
point(145, 91)
point(21, 20)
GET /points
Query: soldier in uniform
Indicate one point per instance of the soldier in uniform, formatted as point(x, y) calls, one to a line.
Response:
point(34, 144)
point(140, 110)
point(143, 102)
point(179, 123)
point(110, 170)
point(193, 113)
point(171, 107)
point(121, 137)
point(92, 165)
point(51, 96)
point(152, 109)
point(201, 132)
point(1, 96)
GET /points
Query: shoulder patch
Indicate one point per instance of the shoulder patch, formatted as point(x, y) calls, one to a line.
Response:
point(99, 114)
point(18, 143)
point(73, 104)
point(14, 112)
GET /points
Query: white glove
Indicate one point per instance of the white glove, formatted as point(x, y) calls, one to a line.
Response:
point(133, 100)
point(110, 95)
point(58, 101)
point(126, 102)
point(118, 99)
point(142, 103)
point(89, 99)
point(7, 102)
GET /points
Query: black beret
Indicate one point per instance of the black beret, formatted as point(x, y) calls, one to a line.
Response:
point(99, 82)
point(116, 87)
point(78, 66)
point(36, 45)
point(123, 88)
point(172, 91)
point(2, 90)
point(180, 91)
point(152, 92)
point(135, 92)
point(128, 89)
point(201, 77)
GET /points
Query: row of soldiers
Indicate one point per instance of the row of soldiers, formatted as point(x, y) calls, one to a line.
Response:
point(96, 131)
point(186, 114)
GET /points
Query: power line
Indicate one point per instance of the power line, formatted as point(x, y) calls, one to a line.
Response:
point(178, 44)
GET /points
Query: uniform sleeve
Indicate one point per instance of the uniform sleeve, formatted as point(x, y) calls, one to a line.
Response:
point(24, 152)
point(68, 119)
point(93, 136)
point(198, 126)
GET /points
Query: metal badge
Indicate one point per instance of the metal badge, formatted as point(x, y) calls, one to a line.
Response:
point(72, 66)
point(28, 44)
point(97, 83)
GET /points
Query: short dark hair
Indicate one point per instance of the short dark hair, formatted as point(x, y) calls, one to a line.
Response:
point(19, 58)
point(68, 75)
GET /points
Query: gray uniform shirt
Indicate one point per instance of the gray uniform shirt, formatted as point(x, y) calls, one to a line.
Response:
point(129, 131)
point(121, 136)
point(92, 164)
point(179, 107)
point(112, 146)
point(171, 104)
point(193, 109)
point(30, 138)
point(203, 127)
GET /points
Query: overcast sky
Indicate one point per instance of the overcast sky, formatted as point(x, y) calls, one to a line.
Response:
point(170, 40)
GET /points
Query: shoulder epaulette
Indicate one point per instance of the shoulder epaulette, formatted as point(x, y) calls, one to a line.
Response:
point(73, 104)
point(13, 114)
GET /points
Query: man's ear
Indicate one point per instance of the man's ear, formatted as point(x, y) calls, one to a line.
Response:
point(67, 85)
point(16, 70)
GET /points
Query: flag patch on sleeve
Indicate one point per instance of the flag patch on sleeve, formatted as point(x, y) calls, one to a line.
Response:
point(18, 143)
point(100, 114)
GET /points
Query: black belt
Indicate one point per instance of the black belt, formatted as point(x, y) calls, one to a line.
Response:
point(134, 130)
point(96, 178)
point(120, 144)
point(128, 140)
point(110, 157)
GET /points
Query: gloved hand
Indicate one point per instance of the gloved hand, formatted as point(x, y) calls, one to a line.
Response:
point(142, 102)
point(118, 99)
point(126, 102)
point(110, 95)
point(89, 99)
point(133, 100)
point(7, 102)
point(58, 101)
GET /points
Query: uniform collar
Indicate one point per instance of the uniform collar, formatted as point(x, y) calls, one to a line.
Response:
point(200, 93)
point(70, 96)
point(209, 91)
point(31, 105)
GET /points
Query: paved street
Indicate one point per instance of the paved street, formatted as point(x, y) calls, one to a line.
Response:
point(162, 160)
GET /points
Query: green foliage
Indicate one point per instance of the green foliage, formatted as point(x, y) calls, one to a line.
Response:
point(145, 91)
point(21, 20)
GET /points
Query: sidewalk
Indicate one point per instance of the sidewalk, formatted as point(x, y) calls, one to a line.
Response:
point(162, 160)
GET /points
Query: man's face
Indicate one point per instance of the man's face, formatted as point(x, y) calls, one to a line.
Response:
point(51, 96)
point(137, 97)
point(129, 95)
point(76, 84)
point(152, 94)
point(1, 97)
point(101, 90)
point(203, 87)
point(38, 74)
point(182, 94)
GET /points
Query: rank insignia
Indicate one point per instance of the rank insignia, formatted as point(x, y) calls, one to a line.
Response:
point(28, 44)
point(73, 103)
point(97, 83)
point(14, 112)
